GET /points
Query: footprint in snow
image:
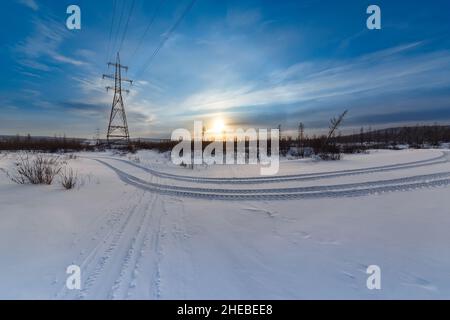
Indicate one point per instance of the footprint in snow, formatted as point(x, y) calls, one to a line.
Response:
point(267, 212)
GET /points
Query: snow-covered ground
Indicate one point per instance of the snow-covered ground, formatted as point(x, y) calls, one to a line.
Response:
point(141, 228)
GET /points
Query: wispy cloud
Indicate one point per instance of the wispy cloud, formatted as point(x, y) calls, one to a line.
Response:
point(32, 4)
point(386, 71)
point(42, 47)
point(59, 57)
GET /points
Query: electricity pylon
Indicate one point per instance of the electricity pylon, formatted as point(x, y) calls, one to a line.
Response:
point(118, 126)
point(301, 134)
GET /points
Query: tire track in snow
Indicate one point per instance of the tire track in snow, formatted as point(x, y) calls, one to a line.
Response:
point(345, 190)
point(142, 251)
point(181, 235)
point(444, 158)
point(101, 258)
point(100, 223)
point(177, 267)
point(111, 220)
point(145, 253)
point(159, 255)
point(120, 288)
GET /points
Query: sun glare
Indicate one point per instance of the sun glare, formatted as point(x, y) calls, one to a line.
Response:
point(218, 126)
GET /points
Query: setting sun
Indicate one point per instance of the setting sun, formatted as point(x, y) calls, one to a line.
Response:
point(218, 126)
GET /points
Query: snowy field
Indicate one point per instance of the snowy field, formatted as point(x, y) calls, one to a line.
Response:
point(141, 228)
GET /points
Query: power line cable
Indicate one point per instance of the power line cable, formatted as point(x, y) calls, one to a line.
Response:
point(167, 36)
point(150, 24)
point(108, 52)
point(130, 13)
point(118, 27)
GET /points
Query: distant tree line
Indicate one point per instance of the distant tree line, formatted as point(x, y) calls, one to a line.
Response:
point(161, 146)
point(415, 136)
point(418, 136)
point(328, 145)
point(45, 144)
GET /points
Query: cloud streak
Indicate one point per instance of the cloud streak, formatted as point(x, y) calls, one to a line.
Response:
point(42, 48)
point(32, 4)
point(392, 71)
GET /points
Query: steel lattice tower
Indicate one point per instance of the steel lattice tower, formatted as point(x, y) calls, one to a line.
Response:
point(118, 126)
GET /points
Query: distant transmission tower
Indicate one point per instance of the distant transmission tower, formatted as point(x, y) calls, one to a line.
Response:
point(301, 134)
point(118, 126)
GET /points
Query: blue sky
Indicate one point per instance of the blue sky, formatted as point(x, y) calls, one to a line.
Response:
point(252, 63)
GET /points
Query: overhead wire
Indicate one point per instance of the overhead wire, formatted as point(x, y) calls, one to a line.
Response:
point(147, 29)
point(108, 52)
point(118, 27)
point(130, 13)
point(167, 36)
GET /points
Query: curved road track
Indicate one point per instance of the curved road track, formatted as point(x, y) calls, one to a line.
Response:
point(123, 167)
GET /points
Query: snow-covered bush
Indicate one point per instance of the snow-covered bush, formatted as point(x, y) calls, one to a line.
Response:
point(38, 169)
point(69, 179)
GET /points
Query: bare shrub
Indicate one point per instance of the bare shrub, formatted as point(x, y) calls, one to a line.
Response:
point(71, 157)
point(69, 179)
point(37, 169)
point(330, 156)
